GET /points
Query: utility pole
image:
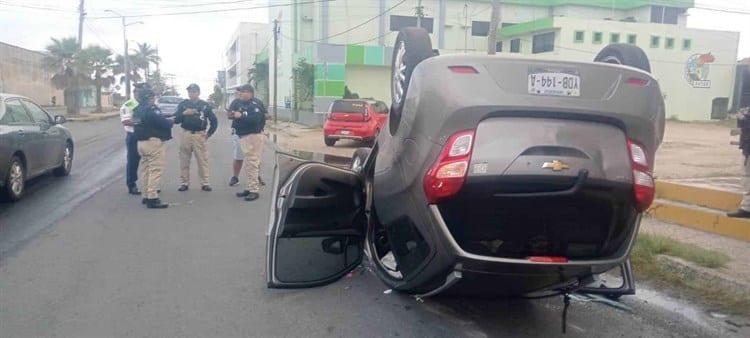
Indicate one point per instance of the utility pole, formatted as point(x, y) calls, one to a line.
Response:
point(81, 15)
point(420, 13)
point(125, 55)
point(494, 24)
point(275, 76)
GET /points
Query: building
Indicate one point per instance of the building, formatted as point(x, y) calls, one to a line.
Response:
point(350, 43)
point(247, 41)
point(22, 73)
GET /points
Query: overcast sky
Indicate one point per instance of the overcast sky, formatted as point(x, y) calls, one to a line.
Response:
point(192, 46)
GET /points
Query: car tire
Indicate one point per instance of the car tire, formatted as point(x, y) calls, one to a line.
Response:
point(15, 180)
point(329, 141)
point(413, 45)
point(67, 163)
point(624, 54)
point(358, 159)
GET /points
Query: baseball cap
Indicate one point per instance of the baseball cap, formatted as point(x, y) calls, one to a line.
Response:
point(145, 94)
point(193, 87)
point(142, 85)
point(246, 88)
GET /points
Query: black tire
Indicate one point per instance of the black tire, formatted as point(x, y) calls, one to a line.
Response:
point(624, 54)
point(329, 141)
point(358, 158)
point(67, 164)
point(10, 192)
point(417, 47)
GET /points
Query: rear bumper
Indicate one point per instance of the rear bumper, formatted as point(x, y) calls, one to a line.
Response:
point(356, 131)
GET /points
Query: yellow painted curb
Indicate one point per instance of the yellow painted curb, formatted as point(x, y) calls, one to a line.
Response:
point(709, 198)
point(705, 220)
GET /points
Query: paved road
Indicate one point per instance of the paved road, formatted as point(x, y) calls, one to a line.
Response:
point(79, 257)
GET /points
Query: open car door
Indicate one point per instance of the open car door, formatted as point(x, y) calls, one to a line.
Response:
point(316, 225)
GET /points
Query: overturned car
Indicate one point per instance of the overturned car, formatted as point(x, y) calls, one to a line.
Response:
point(493, 175)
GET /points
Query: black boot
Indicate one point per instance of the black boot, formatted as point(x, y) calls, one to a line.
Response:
point(156, 203)
point(252, 196)
point(134, 191)
point(144, 201)
point(243, 194)
point(739, 214)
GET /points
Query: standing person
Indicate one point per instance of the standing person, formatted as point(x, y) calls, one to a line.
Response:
point(743, 122)
point(131, 143)
point(152, 131)
point(195, 115)
point(248, 115)
point(237, 156)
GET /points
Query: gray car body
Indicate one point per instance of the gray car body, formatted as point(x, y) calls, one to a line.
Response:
point(508, 120)
point(41, 147)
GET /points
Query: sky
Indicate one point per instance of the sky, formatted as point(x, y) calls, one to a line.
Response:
point(192, 46)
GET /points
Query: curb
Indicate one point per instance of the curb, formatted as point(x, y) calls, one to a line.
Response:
point(688, 270)
point(93, 117)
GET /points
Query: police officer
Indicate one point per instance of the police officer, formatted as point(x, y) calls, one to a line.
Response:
point(743, 122)
point(248, 115)
point(194, 115)
point(131, 144)
point(152, 131)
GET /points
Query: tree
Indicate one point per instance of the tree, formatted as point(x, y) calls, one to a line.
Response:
point(156, 81)
point(98, 60)
point(144, 56)
point(70, 73)
point(217, 97)
point(304, 76)
point(258, 76)
point(119, 68)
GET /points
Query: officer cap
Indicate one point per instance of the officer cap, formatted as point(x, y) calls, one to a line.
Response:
point(142, 85)
point(246, 88)
point(193, 88)
point(145, 94)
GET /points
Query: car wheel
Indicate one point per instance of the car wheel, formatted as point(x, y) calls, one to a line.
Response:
point(329, 141)
point(413, 45)
point(624, 54)
point(359, 158)
point(67, 163)
point(15, 181)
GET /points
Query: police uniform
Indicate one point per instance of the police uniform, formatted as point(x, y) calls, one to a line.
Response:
point(152, 131)
point(131, 144)
point(249, 128)
point(743, 122)
point(193, 139)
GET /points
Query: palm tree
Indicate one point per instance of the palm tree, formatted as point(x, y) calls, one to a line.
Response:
point(119, 68)
point(100, 61)
point(144, 56)
point(70, 74)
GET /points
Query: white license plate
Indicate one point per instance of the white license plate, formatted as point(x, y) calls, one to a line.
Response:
point(344, 132)
point(554, 84)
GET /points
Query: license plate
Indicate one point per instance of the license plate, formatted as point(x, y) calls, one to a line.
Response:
point(344, 132)
point(554, 83)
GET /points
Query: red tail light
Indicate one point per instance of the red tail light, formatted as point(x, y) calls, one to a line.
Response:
point(448, 175)
point(634, 81)
point(463, 69)
point(547, 259)
point(643, 181)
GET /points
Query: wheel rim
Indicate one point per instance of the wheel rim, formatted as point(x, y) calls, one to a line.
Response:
point(67, 159)
point(16, 178)
point(378, 248)
point(399, 74)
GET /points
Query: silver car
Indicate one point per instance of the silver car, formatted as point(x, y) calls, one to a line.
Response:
point(168, 104)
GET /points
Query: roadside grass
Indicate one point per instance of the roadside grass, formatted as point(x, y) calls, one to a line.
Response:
point(646, 265)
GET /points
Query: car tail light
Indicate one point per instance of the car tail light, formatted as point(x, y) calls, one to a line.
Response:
point(448, 175)
point(463, 69)
point(643, 181)
point(634, 81)
point(547, 259)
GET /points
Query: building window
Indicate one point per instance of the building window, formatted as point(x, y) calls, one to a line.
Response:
point(543, 43)
point(614, 38)
point(515, 46)
point(632, 39)
point(398, 22)
point(598, 36)
point(687, 44)
point(480, 28)
point(579, 36)
point(666, 15)
point(669, 43)
point(499, 46)
point(655, 41)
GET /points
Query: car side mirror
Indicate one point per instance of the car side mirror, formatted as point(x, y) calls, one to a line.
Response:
point(59, 119)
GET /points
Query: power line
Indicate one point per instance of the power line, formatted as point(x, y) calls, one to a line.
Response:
point(211, 10)
point(39, 7)
point(375, 38)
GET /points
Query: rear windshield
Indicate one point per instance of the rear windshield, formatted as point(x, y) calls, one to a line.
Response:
point(349, 107)
point(170, 100)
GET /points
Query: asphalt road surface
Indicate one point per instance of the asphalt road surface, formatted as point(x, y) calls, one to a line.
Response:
point(81, 258)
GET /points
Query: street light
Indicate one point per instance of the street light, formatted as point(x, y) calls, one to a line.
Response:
point(125, 55)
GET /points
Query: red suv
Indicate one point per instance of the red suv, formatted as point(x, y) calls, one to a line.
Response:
point(357, 119)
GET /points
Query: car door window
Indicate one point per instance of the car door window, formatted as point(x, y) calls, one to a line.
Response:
point(17, 112)
point(37, 113)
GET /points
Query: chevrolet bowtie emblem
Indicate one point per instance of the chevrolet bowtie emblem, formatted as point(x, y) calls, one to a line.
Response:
point(555, 165)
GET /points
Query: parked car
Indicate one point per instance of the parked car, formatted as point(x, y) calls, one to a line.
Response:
point(31, 144)
point(354, 119)
point(494, 175)
point(168, 105)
